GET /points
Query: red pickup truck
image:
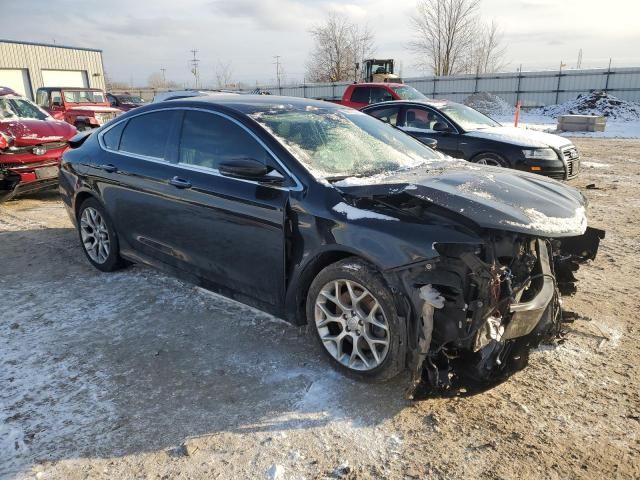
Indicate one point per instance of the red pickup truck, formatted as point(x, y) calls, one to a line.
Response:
point(359, 95)
point(84, 108)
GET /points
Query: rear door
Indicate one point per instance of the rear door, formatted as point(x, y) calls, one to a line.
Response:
point(419, 122)
point(169, 202)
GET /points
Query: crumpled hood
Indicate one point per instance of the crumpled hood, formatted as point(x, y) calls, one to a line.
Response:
point(494, 198)
point(28, 131)
point(521, 137)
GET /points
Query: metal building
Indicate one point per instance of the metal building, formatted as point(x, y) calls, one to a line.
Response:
point(26, 66)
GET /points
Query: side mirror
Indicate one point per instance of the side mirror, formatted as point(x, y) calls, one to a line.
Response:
point(248, 168)
point(430, 142)
point(441, 127)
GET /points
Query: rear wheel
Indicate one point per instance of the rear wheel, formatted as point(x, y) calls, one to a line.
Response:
point(352, 315)
point(98, 237)
point(492, 159)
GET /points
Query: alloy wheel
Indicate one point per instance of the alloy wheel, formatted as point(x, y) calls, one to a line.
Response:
point(95, 235)
point(488, 161)
point(352, 325)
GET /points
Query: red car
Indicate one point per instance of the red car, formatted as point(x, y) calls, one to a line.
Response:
point(359, 95)
point(124, 101)
point(84, 108)
point(31, 145)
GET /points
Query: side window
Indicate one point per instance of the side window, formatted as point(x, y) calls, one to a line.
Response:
point(56, 98)
point(422, 119)
point(360, 95)
point(112, 100)
point(112, 138)
point(208, 139)
point(42, 98)
point(379, 94)
point(389, 115)
point(147, 134)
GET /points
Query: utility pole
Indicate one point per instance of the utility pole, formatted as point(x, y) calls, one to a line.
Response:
point(164, 77)
point(579, 64)
point(277, 64)
point(194, 69)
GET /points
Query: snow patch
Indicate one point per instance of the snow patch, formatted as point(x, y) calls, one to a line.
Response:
point(354, 213)
point(595, 164)
point(553, 225)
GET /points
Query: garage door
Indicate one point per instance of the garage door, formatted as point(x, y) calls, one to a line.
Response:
point(65, 78)
point(16, 79)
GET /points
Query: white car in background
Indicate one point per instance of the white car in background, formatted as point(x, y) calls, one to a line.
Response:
point(164, 96)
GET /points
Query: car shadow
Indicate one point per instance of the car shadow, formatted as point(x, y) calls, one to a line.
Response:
point(104, 365)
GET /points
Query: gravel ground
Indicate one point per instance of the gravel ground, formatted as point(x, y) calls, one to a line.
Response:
point(138, 375)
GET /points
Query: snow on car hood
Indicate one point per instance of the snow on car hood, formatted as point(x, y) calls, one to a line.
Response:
point(521, 137)
point(491, 197)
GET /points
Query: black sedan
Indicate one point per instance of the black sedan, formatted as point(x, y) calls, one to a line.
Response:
point(465, 133)
point(323, 215)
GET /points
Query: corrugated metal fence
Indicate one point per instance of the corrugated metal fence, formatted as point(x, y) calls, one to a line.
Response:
point(532, 89)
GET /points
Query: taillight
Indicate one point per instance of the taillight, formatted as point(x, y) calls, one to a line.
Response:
point(5, 141)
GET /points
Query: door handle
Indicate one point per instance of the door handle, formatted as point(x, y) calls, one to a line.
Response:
point(180, 182)
point(109, 168)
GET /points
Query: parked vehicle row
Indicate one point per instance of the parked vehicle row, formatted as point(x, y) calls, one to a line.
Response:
point(396, 257)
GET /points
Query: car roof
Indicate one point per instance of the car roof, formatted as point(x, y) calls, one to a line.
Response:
point(254, 103)
point(431, 102)
point(71, 88)
point(380, 84)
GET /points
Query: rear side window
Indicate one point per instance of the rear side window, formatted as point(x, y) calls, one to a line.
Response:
point(147, 134)
point(112, 137)
point(379, 94)
point(389, 115)
point(360, 95)
point(208, 139)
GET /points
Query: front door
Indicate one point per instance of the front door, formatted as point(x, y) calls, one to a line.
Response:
point(230, 230)
point(419, 122)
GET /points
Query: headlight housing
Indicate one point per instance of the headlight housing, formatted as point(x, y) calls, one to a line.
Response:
point(540, 154)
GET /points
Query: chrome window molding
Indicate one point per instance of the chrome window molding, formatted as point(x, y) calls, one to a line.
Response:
point(213, 171)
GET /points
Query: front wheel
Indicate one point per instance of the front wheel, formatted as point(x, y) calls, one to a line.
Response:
point(492, 159)
point(352, 314)
point(98, 237)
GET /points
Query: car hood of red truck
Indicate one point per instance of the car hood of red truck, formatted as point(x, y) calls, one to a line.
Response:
point(28, 131)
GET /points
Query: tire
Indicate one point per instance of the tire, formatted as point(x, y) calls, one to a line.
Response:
point(82, 127)
point(94, 227)
point(374, 360)
point(489, 158)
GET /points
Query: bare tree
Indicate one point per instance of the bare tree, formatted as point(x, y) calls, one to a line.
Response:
point(156, 80)
point(488, 55)
point(444, 34)
point(224, 74)
point(339, 45)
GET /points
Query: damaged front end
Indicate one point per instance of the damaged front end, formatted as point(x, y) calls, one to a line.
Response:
point(480, 309)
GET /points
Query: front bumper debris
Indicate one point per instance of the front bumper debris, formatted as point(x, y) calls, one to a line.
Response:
point(493, 310)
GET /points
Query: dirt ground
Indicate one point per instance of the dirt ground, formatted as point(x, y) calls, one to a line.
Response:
point(138, 375)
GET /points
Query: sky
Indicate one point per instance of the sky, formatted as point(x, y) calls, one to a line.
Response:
point(138, 38)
